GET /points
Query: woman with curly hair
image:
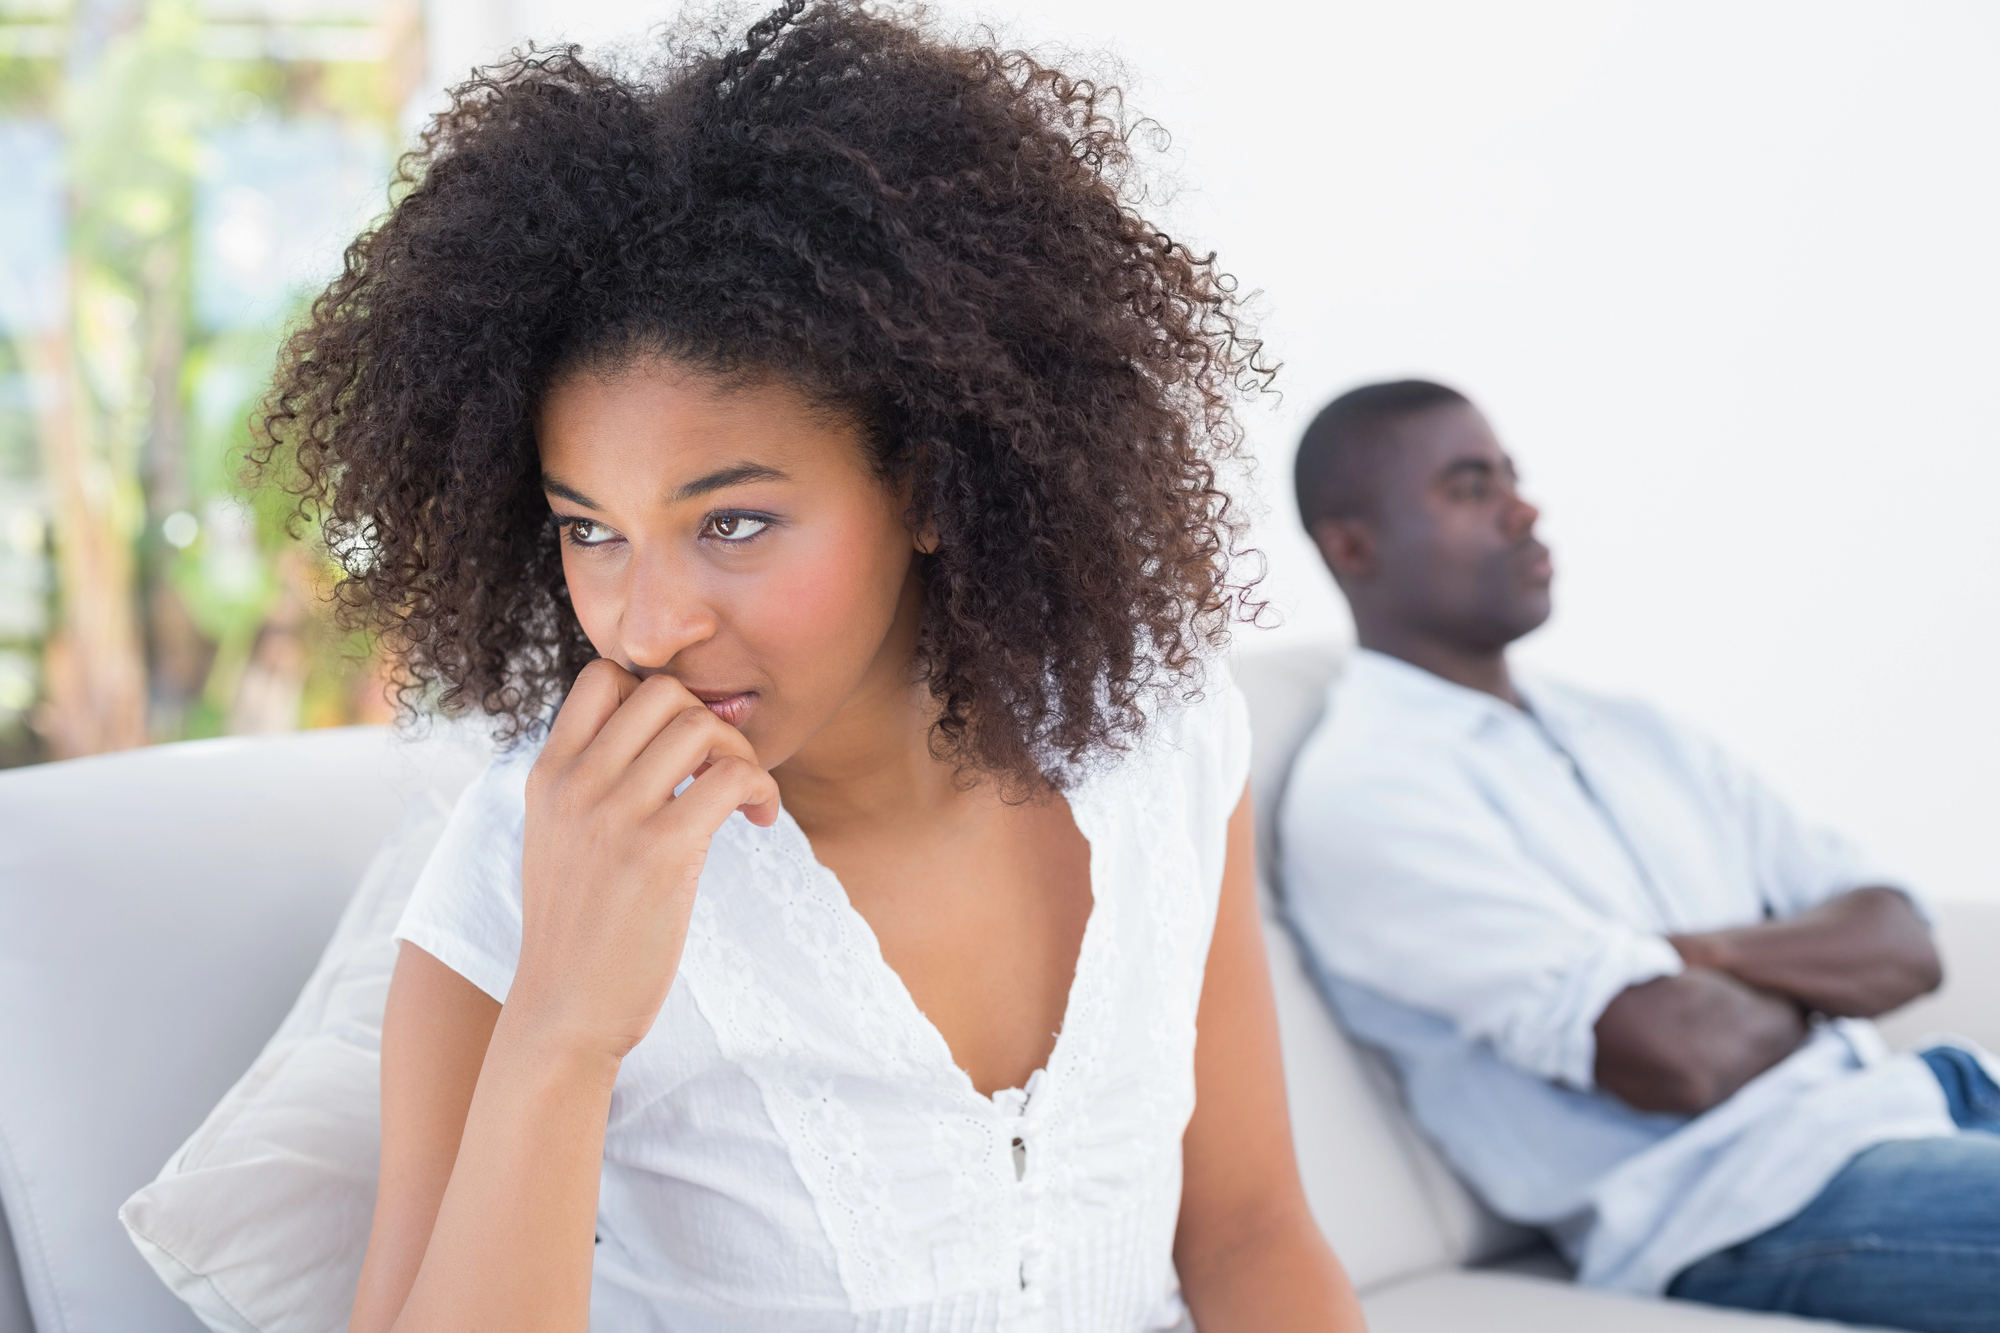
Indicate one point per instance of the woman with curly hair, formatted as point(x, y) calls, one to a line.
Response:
point(807, 453)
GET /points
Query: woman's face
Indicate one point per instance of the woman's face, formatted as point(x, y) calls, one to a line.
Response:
point(734, 537)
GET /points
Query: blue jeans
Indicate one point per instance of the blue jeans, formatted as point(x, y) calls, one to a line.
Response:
point(1906, 1236)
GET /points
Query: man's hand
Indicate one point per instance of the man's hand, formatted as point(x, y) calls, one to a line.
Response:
point(1857, 956)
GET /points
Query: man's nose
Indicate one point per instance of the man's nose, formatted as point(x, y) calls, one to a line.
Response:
point(664, 616)
point(1521, 518)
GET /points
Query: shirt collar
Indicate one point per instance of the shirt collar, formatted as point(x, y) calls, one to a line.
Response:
point(1395, 684)
point(1559, 711)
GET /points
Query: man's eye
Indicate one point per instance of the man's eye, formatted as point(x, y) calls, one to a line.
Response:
point(584, 532)
point(735, 527)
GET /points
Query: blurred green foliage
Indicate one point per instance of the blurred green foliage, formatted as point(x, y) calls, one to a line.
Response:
point(128, 413)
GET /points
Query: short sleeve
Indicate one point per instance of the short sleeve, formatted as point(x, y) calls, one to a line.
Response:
point(1229, 742)
point(465, 909)
point(1403, 880)
point(1209, 743)
point(1209, 739)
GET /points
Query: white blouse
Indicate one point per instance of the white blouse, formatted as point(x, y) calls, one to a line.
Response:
point(792, 1146)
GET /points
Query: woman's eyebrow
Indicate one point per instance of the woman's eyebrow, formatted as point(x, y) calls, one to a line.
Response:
point(734, 475)
point(568, 492)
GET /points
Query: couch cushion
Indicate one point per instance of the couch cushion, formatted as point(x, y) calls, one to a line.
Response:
point(14, 1316)
point(1331, 1080)
point(1968, 1004)
point(1485, 1302)
point(261, 1220)
point(158, 913)
point(1353, 1148)
point(1358, 1173)
point(1286, 691)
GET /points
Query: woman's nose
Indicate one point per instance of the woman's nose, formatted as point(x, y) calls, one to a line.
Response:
point(663, 615)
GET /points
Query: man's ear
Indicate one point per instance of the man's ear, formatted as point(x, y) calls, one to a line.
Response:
point(1348, 547)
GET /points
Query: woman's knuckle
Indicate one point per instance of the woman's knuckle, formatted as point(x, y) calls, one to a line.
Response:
point(661, 686)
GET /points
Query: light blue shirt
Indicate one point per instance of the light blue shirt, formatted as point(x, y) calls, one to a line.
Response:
point(1475, 882)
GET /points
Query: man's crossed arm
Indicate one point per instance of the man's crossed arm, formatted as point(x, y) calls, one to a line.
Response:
point(1685, 1043)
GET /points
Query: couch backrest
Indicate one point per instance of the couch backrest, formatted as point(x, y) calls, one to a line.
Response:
point(159, 911)
point(125, 1014)
point(1384, 1199)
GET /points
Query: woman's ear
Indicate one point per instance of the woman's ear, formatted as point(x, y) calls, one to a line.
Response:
point(925, 538)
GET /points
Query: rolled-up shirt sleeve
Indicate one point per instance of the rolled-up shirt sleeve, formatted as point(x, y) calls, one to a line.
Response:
point(1409, 883)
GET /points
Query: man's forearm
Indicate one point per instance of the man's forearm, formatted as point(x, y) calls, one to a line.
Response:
point(1859, 955)
point(1684, 1043)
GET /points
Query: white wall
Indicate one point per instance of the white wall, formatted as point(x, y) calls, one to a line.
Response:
point(1727, 278)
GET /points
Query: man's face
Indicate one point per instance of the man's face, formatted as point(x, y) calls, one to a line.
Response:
point(1456, 556)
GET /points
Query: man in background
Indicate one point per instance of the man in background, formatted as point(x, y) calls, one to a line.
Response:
point(1626, 990)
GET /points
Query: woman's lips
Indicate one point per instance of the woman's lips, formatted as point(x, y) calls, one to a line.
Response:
point(731, 708)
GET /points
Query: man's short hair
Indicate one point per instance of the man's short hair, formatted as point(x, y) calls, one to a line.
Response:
point(1340, 454)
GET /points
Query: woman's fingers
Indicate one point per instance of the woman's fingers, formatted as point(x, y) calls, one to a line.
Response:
point(692, 738)
point(731, 782)
point(646, 711)
point(634, 741)
point(600, 689)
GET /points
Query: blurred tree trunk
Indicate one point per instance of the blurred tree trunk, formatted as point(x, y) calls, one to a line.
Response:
point(177, 653)
point(273, 682)
point(96, 667)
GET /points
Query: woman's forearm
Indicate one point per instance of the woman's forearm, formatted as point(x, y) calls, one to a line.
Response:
point(513, 1243)
point(1276, 1276)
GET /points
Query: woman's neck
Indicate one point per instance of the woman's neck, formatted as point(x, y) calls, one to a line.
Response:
point(873, 761)
point(868, 764)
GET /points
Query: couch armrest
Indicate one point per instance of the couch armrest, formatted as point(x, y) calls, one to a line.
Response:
point(14, 1316)
point(158, 912)
point(1968, 1004)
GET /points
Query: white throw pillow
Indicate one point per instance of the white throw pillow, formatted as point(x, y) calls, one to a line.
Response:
point(261, 1219)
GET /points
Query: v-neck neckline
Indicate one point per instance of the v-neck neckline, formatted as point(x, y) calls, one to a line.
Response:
point(1005, 1102)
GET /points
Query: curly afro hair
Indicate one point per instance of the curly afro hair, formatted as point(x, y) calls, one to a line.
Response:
point(941, 237)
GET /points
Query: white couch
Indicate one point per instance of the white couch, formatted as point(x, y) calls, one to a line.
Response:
point(159, 910)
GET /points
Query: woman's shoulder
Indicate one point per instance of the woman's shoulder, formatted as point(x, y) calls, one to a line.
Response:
point(501, 789)
point(465, 908)
point(1209, 731)
point(486, 823)
point(1197, 741)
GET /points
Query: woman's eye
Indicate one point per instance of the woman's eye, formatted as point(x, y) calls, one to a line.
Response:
point(735, 527)
point(584, 532)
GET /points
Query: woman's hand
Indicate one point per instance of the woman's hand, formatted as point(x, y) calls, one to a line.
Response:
point(610, 857)
point(501, 1110)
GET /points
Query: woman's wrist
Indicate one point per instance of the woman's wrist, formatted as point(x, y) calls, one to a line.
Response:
point(543, 1036)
